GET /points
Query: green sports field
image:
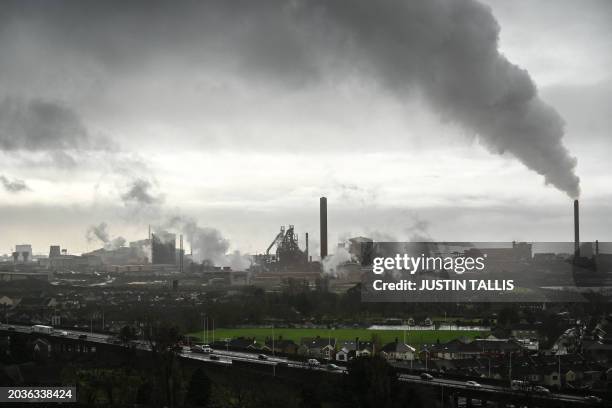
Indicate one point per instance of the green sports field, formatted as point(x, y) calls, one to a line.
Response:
point(414, 337)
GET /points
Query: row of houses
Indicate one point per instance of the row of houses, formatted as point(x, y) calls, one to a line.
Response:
point(322, 348)
point(343, 351)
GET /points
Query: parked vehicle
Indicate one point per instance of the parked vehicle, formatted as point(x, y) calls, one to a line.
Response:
point(541, 390)
point(334, 367)
point(426, 377)
point(472, 384)
point(63, 333)
point(262, 357)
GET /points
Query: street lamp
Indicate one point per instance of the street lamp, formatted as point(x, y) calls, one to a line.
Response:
point(202, 333)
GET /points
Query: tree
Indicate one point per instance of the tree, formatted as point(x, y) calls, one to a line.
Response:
point(372, 383)
point(163, 339)
point(508, 316)
point(126, 334)
point(198, 393)
point(369, 382)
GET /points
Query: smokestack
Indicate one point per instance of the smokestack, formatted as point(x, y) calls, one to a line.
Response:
point(181, 253)
point(306, 247)
point(576, 229)
point(323, 226)
point(596, 247)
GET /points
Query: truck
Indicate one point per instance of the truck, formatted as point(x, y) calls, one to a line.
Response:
point(39, 328)
point(518, 385)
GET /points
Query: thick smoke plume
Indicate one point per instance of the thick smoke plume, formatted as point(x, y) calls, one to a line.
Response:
point(140, 192)
point(207, 243)
point(13, 186)
point(333, 261)
point(448, 50)
point(100, 233)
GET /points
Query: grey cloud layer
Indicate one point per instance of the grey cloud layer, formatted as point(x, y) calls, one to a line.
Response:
point(38, 124)
point(446, 50)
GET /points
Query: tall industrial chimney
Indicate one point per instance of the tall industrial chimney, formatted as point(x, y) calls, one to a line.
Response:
point(306, 247)
point(323, 226)
point(181, 253)
point(576, 229)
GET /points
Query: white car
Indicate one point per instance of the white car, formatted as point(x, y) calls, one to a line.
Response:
point(472, 384)
point(313, 362)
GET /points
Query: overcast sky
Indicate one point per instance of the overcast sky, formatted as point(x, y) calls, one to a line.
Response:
point(411, 117)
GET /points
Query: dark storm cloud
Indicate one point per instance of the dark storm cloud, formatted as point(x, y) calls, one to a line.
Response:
point(126, 36)
point(444, 50)
point(38, 125)
point(13, 186)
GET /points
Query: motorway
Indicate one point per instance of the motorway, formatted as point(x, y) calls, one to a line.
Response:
point(226, 357)
point(485, 388)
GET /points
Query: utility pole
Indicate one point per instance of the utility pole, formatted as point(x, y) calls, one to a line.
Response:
point(559, 355)
point(510, 370)
point(202, 319)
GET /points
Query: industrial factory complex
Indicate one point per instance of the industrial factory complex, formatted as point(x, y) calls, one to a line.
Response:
point(162, 258)
point(162, 255)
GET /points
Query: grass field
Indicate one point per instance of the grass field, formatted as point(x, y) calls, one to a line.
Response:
point(414, 338)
